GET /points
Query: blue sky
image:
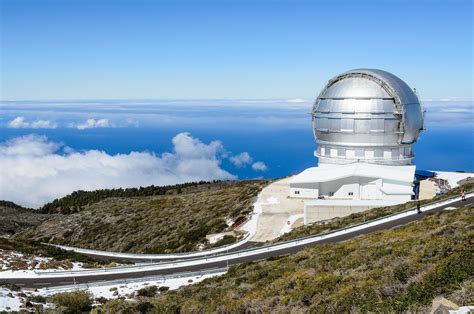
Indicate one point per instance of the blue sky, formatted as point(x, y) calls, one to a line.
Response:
point(58, 49)
point(121, 93)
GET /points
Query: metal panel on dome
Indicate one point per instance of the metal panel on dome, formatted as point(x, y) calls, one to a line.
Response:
point(355, 88)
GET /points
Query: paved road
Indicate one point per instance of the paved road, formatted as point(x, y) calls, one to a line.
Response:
point(137, 259)
point(47, 282)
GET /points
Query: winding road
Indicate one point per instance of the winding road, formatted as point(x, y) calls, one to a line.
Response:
point(58, 278)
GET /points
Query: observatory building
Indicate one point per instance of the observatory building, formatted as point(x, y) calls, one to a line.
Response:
point(365, 122)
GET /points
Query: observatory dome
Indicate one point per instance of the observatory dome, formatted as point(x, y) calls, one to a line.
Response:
point(366, 115)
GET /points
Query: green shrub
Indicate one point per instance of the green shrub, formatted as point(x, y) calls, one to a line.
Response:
point(38, 299)
point(74, 301)
point(163, 289)
point(149, 291)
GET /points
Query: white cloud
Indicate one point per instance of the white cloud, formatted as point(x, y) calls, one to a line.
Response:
point(21, 123)
point(259, 166)
point(297, 100)
point(457, 110)
point(93, 123)
point(241, 159)
point(244, 159)
point(35, 170)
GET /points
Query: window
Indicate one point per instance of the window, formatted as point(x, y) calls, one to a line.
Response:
point(378, 153)
point(297, 192)
point(331, 193)
point(351, 193)
point(369, 154)
point(341, 152)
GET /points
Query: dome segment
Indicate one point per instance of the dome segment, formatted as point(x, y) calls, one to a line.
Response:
point(366, 115)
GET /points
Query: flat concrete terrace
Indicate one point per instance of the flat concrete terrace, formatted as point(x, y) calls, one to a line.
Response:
point(275, 209)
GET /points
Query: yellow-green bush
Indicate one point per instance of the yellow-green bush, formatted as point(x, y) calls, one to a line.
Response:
point(74, 301)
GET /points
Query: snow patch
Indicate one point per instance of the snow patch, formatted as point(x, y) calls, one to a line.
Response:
point(9, 300)
point(126, 288)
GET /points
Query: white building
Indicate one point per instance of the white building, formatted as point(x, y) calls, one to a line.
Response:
point(365, 122)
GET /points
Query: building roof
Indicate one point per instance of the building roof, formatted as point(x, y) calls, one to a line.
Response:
point(351, 202)
point(334, 172)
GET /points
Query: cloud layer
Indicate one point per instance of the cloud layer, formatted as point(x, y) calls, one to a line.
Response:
point(21, 123)
point(92, 123)
point(36, 170)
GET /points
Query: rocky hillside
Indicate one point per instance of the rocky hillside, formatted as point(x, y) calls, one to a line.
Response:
point(14, 218)
point(396, 270)
point(176, 221)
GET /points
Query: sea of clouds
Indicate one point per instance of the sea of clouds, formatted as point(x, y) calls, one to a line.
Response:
point(35, 169)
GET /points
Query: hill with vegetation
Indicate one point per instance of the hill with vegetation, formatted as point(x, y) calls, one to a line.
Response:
point(396, 270)
point(15, 218)
point(79, 200)
point(176, 219)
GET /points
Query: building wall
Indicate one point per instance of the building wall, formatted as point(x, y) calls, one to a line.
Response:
point(346, 188)
point(304, 190)
point(299, 192)
point(356, 188)
point(314, 213)
point(398, 197)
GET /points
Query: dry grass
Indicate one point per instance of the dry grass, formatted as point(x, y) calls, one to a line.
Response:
point(154, 224)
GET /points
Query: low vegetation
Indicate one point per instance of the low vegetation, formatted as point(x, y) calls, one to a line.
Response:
point(37, 249)
point(80, 200)
point(14, 218)
point(396, 270)
point(175, 222)
point(72, 302)
point(148, 291)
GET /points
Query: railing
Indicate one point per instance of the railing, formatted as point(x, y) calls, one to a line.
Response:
point(210, 271)
point(373, 159)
